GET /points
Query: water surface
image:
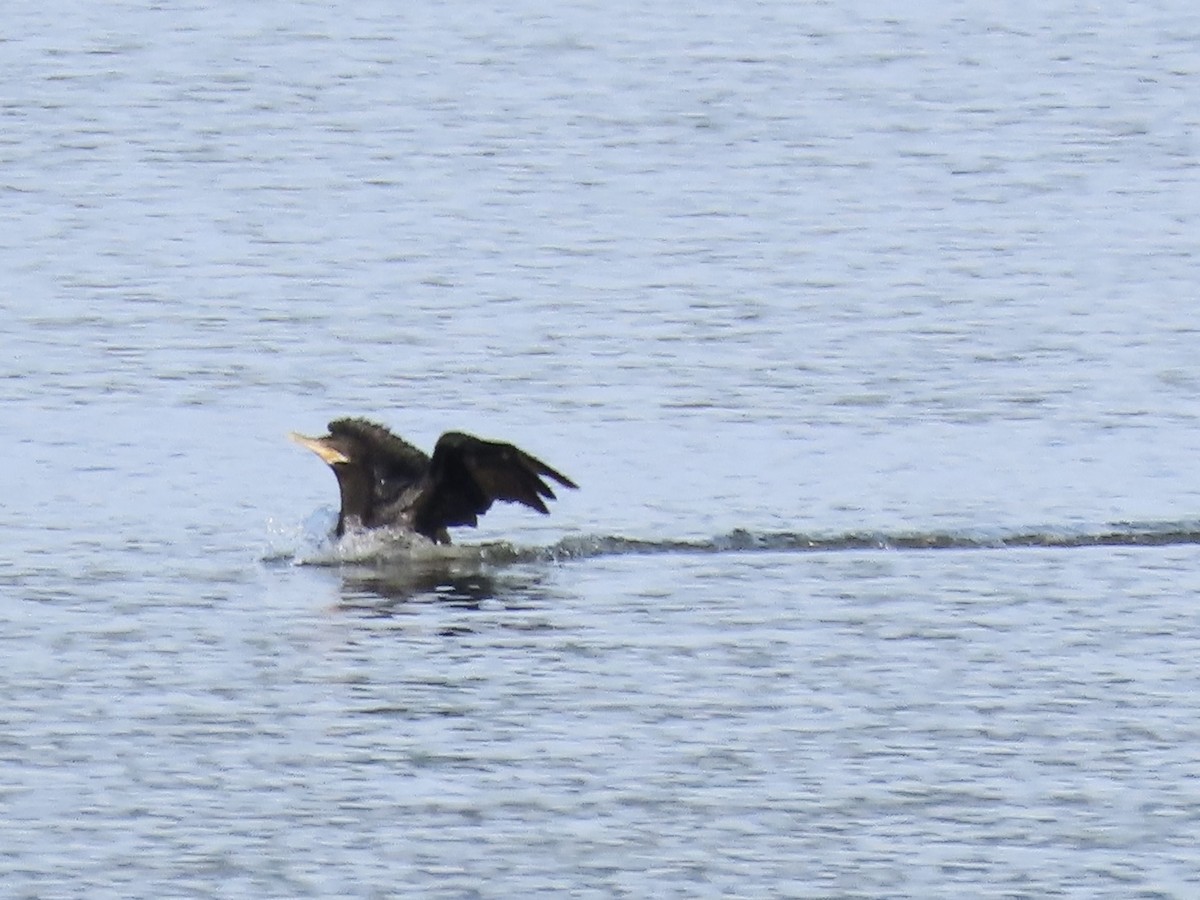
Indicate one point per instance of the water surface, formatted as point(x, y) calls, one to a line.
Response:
point(868, 336)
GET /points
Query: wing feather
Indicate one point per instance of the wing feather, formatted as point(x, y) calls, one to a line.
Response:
point(467, 474)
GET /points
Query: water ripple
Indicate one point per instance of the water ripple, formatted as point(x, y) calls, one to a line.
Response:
point(383, 547)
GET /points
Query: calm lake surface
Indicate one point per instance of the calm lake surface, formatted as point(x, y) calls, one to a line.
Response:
point(871, 338)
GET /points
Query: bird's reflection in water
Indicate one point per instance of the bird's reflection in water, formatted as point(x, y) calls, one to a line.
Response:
point(391, 590)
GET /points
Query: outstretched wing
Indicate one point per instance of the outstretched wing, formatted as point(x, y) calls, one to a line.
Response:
point(468, 474)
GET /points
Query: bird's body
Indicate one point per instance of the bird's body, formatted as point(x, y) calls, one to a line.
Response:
point(387, 482)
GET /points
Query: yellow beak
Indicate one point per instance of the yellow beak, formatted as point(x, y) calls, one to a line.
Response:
point(331, 455)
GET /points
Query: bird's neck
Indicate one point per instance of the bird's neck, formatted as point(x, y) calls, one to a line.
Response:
point(357, 508)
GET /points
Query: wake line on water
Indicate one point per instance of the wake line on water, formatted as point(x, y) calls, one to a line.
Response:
point(741, 541)
point(381, 547)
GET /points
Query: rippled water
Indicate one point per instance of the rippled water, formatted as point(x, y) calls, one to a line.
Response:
point(870, 337)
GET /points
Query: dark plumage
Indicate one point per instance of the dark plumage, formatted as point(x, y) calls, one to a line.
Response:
point(386, 481)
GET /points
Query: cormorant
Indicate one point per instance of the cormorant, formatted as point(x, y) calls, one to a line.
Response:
point(386, 481)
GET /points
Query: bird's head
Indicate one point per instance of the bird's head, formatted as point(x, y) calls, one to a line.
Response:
point(349, 460)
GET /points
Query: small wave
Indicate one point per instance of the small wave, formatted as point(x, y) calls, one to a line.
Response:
point(384, 547)
point(1124, 534)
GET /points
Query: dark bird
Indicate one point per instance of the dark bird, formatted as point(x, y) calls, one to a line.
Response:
point(387, 482)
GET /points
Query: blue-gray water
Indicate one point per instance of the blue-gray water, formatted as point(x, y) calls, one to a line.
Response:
point(870, 336)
